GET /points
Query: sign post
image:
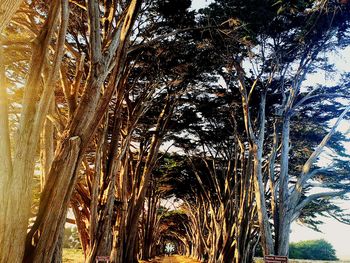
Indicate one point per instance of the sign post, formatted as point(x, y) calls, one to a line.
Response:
point(102, 259)
point(275, 259)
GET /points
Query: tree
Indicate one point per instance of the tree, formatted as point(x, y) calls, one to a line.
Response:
point(312, 249)
point(265, 98)
point(40, 84)
point(81, 126)
point(274, 71)
point(95, 87)
point(120, 169)
point(16, 179)
point(224, 210)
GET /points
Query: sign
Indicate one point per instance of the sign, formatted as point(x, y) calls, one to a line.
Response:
point(102, 259)
point(275, 259)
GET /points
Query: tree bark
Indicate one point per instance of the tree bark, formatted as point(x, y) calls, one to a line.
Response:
point(33, 112)
point(43, 252)
point(47, 149)
point(5, 156)
point(284, 212)
point(265, 228)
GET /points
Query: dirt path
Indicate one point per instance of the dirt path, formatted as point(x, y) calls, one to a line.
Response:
point(174, 259)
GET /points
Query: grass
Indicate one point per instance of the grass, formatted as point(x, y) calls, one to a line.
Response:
point(71, 255)
point(260, 260)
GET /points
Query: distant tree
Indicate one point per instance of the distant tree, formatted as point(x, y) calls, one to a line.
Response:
point(312, 249)
point(71, 238)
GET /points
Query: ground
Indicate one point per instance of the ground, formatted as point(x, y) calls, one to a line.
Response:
point(71, 255)
point(76, 256)
point(172, 259)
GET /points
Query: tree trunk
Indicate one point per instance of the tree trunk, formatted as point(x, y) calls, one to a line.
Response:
point(58, 253)
point(33, 113)
point(54, 213)
point(284, 233)
point(150, 223)
point(284, 211)
point(6, 162)
point(259, 187)
point(47, 149)
point(101, 231)
point(265, 229)
point(81, 224)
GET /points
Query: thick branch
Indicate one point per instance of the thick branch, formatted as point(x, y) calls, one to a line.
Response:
point(313, 197)
point(305, 175)
point(95, 37)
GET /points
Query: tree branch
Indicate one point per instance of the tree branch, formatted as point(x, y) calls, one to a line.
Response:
point(95, 36)
point(313, 197)
point(305, 175)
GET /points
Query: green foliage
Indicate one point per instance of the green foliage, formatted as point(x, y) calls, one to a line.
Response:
point(71, 238)
point(176, 11)
point(312, 249)
point(174, 224)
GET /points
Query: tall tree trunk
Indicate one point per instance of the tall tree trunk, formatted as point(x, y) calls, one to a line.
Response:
point(284, 211)
point(101, 233)
point(47, 149)
point(6, 160)
point(58, 253)
point(66, 153)
point(265, 228)
point(34, 108)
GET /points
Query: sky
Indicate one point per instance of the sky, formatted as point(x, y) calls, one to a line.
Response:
point(333, 231)
point(200, 3)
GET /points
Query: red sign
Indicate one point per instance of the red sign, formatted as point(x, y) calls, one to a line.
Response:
point(275, 259)
point(102, 258)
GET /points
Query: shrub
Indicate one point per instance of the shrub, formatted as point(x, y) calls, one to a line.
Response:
point(71, 238)
point(312, 249)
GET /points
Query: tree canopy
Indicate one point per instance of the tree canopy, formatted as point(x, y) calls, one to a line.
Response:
point(151, 123)
point(313, 249)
